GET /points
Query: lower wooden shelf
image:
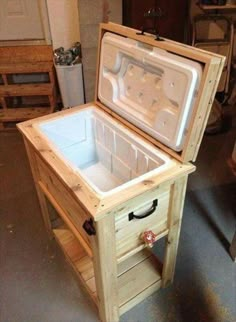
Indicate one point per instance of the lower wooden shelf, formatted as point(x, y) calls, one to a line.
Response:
point(138, 276)
point(78, 258)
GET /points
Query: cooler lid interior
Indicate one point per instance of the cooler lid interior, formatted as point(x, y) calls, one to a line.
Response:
point(151, 88)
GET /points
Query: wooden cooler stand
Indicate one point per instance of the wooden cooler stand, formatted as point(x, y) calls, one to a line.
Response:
point(111, 259)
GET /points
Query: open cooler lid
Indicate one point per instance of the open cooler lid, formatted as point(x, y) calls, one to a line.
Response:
point(154, 89)
point(149, 87)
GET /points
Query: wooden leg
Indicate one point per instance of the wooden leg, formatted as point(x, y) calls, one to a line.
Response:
point(174, 223)
point(232, 248)
point(41, 196)
point(105, 269)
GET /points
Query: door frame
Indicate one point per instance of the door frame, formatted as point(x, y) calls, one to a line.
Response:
point(43, 10)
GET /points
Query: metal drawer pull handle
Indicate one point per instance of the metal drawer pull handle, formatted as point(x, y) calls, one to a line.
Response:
point(148, 213)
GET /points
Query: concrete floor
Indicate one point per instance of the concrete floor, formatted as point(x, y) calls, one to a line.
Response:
point(37, 285)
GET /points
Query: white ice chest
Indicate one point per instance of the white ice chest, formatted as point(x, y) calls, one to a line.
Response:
point(118, 167)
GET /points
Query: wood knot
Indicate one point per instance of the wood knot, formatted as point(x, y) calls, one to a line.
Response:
point(148, 182)
point(44, 150)
point(76, 187)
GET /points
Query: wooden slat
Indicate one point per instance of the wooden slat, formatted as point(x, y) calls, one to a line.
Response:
point(133, 261)
point(21, 114)
point(137, 279)
point(78, 259)
point(26, 60)
point(137, 248)
point(174, 223)
point(25, 54)
point(69, 245)
point(133, 242)
point(4, 77)
point(85, 267)
point(70, 210)
point(52, 100)
point(91, 285)
point(65, 218)
point(24, 68)
point(26, 89)
point(105, 268)
point(140, 297)
point(217, 7)
point(3, 103)
point(41, 197)
point(198, 123)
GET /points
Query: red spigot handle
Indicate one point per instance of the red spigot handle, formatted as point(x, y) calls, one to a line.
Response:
point(149, 238)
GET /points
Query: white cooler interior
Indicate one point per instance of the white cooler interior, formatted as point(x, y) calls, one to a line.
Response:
point(150, 87)
point(105, 153)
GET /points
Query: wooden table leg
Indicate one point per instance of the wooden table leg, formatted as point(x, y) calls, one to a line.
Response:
point(105, 269)
point(174, 224)
point(41, 196)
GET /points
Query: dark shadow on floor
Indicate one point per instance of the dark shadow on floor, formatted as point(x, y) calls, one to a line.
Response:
point(217, 208)
point(196, 299)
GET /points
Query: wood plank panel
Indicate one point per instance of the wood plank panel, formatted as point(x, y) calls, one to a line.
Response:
point(128, 233)
point(133, 261)
point(134, 281)
point(20, 114)
point(65, 218)
point(25, 54)
point(140, 297)
point(69, 245)
point(26, 89)
point(105, 268)
point(3, 103)
point(72, 209)
point(42, 200)
point(77, 258)
point(174, 223)
point(36, 67)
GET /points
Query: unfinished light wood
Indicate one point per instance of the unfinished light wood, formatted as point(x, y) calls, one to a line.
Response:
point(134, 281)
point(105, 266)
point(218, 7)
point(25, 54)
point(133, 261)
point(59, 195)
point(79, 260)
point(97, 206)
point(36, 177)
point(174, 225)
point(140, 297)
point(20, 68)
point(66, 219)
point(141, 246)
point(26, 90)
point(123, 270)
point(16, 114)
point(28, 60)
point(128, 233)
